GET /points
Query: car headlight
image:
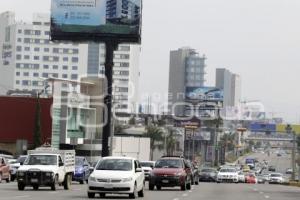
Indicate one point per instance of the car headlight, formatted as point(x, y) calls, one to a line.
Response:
point(127, 179)
point(49, 174)
point(92, 179)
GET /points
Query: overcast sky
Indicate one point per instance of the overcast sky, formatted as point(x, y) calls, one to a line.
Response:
point(258, 39)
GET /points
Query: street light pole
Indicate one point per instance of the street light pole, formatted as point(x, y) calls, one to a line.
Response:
point(294, 157)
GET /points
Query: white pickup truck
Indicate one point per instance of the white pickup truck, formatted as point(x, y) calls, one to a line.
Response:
point(47, 167)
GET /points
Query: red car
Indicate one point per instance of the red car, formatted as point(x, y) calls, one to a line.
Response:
point(251, 178)
point(171, 172)
point(4, 170)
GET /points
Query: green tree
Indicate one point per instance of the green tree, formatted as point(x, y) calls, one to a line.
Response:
point(156, 137)
point(37, 134)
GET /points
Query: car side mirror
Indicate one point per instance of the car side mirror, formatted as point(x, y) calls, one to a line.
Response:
point(137, 170)
point(61, 164)
point(21, 163)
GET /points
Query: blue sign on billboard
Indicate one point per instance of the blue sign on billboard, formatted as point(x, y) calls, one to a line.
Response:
point(96, 20)
point(204, 93)
point(262, 127)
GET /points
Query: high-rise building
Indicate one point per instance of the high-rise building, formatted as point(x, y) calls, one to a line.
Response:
point(231, 85)
point(187, 69)
point(118, 9)
point(28, 55)
point(125, 74)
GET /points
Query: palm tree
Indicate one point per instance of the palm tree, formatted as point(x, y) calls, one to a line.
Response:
point(156, 137)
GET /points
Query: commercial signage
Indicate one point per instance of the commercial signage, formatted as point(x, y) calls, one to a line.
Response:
point(204, 93)
point(96, 20)
point(282, 128)
point(262, 127)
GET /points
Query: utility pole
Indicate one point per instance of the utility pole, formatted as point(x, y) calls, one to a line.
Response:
point(294, 157)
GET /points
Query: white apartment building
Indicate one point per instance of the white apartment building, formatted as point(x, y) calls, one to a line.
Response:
point(28, 55)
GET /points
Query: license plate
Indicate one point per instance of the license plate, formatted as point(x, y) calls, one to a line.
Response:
point(165, 181)
point(109, 186)
point(34, 180)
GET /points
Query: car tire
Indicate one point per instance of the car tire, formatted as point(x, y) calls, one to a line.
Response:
point(12, 178)
point(91, 195)
point(35, 187)
point(81, 182)
point(102, 195)
point(141, 192)
point(67, 182)
point(158, 187)
point(54, 185)
point(134, 195)
point(151, 187)
point(21, 186)
point(0, 178)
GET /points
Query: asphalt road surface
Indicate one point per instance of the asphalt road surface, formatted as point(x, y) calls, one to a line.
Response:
point(205, 191)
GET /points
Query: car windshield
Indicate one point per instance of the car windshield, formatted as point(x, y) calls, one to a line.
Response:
point(79, 161)
point(41, 160)
point(169, 163)
point(115, 165)
point(207, 170)
point(227, 170)
point(21, 159)
point(147, 164)
point(276, 175)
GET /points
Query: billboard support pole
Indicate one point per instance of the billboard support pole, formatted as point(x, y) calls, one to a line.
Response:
point(110, 46)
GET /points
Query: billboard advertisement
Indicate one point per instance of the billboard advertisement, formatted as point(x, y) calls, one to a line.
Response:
point(204, 93)
point(262, 127)
point(96, 20)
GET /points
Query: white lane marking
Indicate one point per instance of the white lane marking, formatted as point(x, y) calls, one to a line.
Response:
point(176, 199)
point(255, 189)
point(190, 191)
point(185, 195)
point(267, 197)
point(261, 192)
point(53, 192)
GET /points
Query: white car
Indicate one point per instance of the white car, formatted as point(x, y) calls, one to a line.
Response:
point(117, 175)
point(276, 178)
point(147, 166)
point(228, 175)
point(241, 177)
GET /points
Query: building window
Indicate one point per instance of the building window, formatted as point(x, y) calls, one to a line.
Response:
point(47, 32)
point(26, 66)
point(17, 73)
point(74, 68)
point(65, 67)
point(74, 76)
point(45, 75)
point(36, 66)
point(124, 48)
point(27, 32)
point(27, 48)
point(46, 41)
point(26, 74)
point(35, 83)
point(36, 74)
point(55, 50)
point(45, 58)
point(74, 59)
point(55, 66)
point(37, 32)
point(18, 82)
point(56, 58)
point(26, 57)
point(65, 59)
point(46, 66)
point(19, 31)
point(65, 50)
point(55, 75)
point(46, 49)
point(65, 76)
point(19, 48)
point(124, 64)
point(36, 57)
point(37, 41)
point(26, 40)
point(36, 49)
point(25, 82)
point(18, 65)
point(75, 51)
point(19, 39)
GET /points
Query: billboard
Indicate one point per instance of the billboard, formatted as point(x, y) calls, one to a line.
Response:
point(282, 128)
point(204, 93)
point(96, 20)
point(262, 127)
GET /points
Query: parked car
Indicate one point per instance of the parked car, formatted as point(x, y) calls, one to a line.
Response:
point(272, 168)
point(15, 166)
point(117, 175)
point(171, 172)
point(241, 177)
point(4, 170)
point(147, 166)
point(82, 170)
point(276, 178)
point(208, 174)
point(266, 177)
point(228, 175)
point(261, 179)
